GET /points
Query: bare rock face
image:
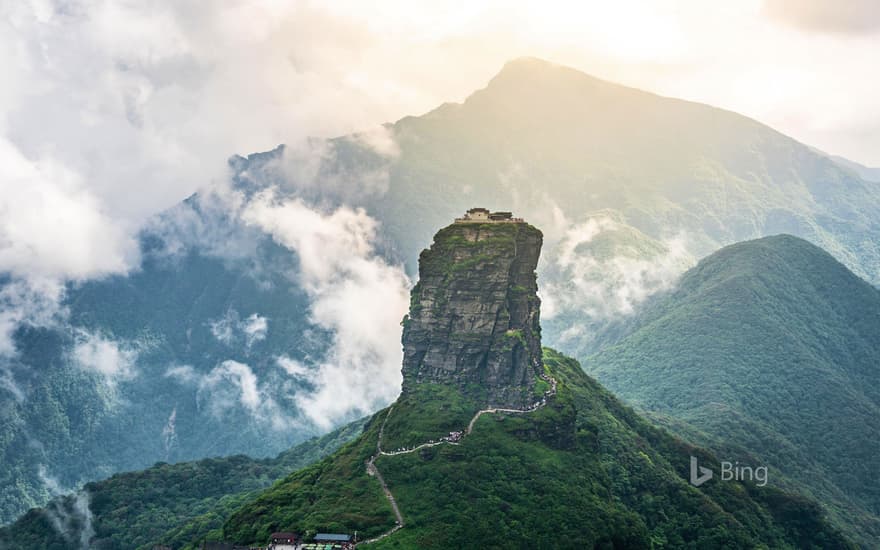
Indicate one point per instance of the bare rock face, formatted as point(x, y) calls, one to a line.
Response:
point(474, 314)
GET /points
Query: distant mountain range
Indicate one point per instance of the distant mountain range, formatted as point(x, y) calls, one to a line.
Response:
point(767, 351)
point(213, 346)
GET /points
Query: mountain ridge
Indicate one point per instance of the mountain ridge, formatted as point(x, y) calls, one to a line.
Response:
point(766, 348)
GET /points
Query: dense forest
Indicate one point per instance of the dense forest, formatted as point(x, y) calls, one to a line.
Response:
point(767, 351)
point(167, 503)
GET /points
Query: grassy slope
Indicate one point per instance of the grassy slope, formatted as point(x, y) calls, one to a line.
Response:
point(767, 350)
point(583, 471)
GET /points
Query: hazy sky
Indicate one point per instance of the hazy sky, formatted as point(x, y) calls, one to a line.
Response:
point(110, 111)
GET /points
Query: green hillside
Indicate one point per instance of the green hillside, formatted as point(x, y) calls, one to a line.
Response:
point(767, 350)
point(582, 472)
point(167, 503)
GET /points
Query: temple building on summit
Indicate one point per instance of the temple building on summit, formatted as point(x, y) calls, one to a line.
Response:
point(483, 215)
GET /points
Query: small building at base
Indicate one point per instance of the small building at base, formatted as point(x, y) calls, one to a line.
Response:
point(333, 538)
point(284, 540)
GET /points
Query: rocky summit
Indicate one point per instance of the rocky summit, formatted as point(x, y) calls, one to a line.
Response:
point(474, 314)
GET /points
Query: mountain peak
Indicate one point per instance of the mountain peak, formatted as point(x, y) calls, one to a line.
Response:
point(534, 67)
point(474, 314)
point(780, 257)
point(529, 63)
point(538, 78)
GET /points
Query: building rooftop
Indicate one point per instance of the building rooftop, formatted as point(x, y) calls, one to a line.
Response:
point(332, 537)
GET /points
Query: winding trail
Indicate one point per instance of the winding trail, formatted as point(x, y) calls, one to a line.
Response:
point(373, 471)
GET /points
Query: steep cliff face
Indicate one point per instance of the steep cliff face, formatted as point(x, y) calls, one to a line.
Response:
point(474, 314)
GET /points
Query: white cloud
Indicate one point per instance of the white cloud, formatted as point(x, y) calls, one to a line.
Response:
point(612, 278)
point(52, 228)
point(241, 377)
point(7, 382)
point(207, 223)
point(223, 330)
point(293, 367)
point(230, 385)
point(380, 140)
point(849, 16)
point(71, 516)
point(355, 294)
point(50, 483)
point(111, 112)
point(169, 433)
point(255, 328)
point(34, 301)
point(184, 373)
point(51, 225)
point(230, 329)
point(98, 353)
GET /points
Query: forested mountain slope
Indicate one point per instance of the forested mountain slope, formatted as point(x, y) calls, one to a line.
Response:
point(768, 350)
